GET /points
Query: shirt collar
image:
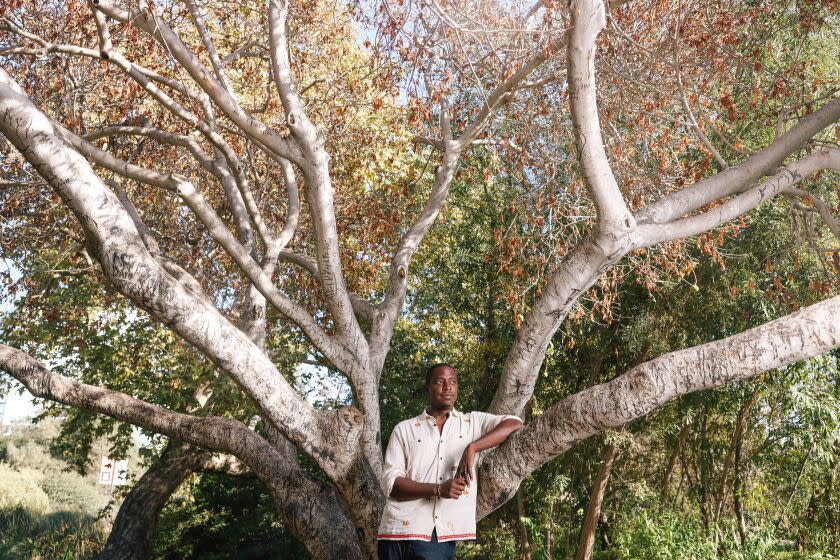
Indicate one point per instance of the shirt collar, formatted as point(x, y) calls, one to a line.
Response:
point(426, 416)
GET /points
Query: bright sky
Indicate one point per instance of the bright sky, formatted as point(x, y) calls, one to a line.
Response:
point(19, 407)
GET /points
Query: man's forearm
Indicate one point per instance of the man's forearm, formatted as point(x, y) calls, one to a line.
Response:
point(407, 489)
point(497, 435)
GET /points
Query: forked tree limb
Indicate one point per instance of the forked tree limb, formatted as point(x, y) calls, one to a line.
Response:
point(588, 19)
point(613, 236)
point(112, 237)
point(784, 180)
point(733, 179)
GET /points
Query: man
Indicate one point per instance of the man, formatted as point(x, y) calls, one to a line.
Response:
point(430, 476)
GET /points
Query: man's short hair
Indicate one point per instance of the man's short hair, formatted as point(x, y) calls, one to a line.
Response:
point(433, 367)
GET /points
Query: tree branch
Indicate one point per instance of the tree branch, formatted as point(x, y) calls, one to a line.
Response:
point(215, 61)
point(576, 274)
point(738, 176)
point(389, 308)
point(184, 141)
point(303, 130)
point(691, 120)
point(113, 239)
point(158, 30)
point(588, 19)
point(331, 348)
point(208, 216)
point(651, 234)
point(823, 209)
point(804, 334)
point(114, 164)
point(211, 432)
point(319, 193)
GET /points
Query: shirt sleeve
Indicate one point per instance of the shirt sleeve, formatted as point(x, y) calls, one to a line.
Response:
point(396, 461)
point(487, 422)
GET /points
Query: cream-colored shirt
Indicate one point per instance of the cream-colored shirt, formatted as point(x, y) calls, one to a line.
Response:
point(418, 451)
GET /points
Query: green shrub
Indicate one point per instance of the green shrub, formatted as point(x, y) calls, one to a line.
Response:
point(663, 537)
point(68, 490)
point(21, 489)
point(216, 517)
point(672, 536)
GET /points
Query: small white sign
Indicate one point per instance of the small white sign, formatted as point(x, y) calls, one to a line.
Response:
point(106, 471)
point(113, 472)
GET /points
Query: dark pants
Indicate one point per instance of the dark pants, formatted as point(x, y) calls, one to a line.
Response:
point(417, 550)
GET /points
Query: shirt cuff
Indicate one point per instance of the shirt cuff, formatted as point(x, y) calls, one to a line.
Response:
point(389, 479)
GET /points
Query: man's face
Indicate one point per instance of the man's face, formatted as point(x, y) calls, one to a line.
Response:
point(442, 388)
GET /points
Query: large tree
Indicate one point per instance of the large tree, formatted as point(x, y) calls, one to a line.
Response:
point(178, 135)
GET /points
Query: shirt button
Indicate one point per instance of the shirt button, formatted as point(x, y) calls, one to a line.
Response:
point(440, 478)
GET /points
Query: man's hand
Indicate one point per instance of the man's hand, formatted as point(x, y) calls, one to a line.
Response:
point(466, 465)
point(452, 488)
point(466, 468)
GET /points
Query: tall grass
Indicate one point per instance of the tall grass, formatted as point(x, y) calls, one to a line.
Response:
point(61, 535)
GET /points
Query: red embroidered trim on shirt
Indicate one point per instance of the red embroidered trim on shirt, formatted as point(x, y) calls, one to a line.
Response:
point(396, 537)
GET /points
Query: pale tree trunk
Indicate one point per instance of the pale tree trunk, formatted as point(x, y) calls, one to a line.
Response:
point(737, 492)
point(672, 460)
point(593, 508)
point(734, 445)
point(522, 530)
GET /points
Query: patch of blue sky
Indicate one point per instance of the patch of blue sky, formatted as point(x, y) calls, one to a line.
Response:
point(322, 387)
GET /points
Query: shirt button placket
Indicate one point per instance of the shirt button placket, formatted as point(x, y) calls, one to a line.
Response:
point(440, 462)
point(437, 498)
